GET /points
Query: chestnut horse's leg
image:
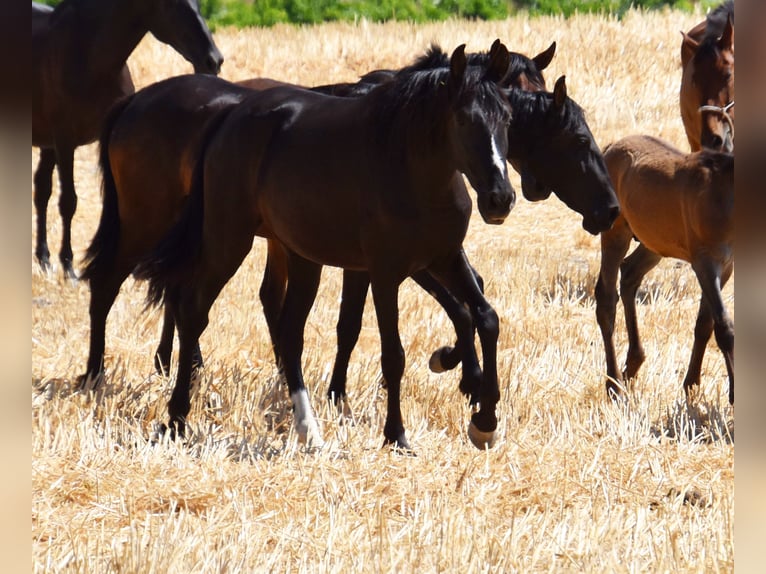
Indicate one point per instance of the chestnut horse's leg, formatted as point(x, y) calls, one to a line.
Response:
point(464, 349)
point(43, 190)
point(632, 272)
point(355, 287)
point(67, 205)
point(272, 291)
point(712, 315)
point(614, 246)
point(301, 293)
point(457, 275)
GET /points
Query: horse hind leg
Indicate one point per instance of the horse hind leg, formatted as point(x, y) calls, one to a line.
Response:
point(302, 287)
point(272, 292)
point(104, 288)
point(712, 316)
point(632, 271)
point(43, 188)
point(67, 206)
point(355, 287)
point(614, 246)
point(165, 346)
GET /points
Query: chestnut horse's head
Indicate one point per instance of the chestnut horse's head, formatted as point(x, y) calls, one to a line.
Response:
point(707, 83)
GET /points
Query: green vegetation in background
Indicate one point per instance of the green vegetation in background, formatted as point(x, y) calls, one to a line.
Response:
point(241, 13)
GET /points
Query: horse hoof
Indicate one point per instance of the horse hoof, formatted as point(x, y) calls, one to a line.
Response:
point(481, 439)
point(435, 362)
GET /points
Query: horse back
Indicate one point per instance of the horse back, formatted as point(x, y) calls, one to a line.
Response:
point(675, 204)
point(168, 118)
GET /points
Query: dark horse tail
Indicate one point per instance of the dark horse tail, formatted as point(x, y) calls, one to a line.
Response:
point(103, 248)
point(170, 263)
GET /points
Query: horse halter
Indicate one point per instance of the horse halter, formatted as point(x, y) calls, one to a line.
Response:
point(723, 112)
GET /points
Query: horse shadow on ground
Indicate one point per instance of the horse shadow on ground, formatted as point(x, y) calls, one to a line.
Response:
point(704, 422)
point(131, 413)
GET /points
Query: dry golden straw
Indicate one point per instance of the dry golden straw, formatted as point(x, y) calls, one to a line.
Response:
point(575, 483)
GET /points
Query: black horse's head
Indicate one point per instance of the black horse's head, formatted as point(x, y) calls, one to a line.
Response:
point(479, 133)
point(551, 145)
point(179, 24)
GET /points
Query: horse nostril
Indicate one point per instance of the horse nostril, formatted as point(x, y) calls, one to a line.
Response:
point(613, 213)
point(213, 63)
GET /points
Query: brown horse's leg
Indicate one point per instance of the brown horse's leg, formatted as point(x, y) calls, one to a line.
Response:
point(43, 190)
point(165, 347)
point(385, 293)
point(355, 287)
point(302, 288)
point(632, 272)
point(104, 288)
point(712, 315)
point(458, 277)
point(190, 304)
point(272, 292)
point(464, 349)
point(67, 205)
point(614, 246)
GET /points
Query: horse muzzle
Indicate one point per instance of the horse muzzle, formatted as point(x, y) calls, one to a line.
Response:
point(210, 64)
point(601, 219)
point(495, 206)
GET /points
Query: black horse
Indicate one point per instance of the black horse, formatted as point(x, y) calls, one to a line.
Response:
point(369, 183)
point(79, 54)
point(147, 150)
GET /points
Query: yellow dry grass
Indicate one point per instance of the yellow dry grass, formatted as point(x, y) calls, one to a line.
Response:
point(574, 483)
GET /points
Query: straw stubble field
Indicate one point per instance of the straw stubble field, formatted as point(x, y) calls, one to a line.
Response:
point(575, 483)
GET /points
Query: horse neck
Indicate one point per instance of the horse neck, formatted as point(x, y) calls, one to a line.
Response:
point(117, 28)
point(418, 139)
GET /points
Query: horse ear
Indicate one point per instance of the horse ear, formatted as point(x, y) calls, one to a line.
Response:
point(726, 41)
point(543, 59)
point(688, 48)
point(499, 60)
point(457, 64)
point(560, 92)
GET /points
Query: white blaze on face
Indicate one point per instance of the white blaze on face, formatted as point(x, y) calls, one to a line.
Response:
point(305, 423)
point(497, 158)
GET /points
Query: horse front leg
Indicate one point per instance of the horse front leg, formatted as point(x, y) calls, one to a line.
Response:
point(632, 272)
point(385, 293)
point(464, 349)
point(456, 274)
point(712, 278)
point(614, 246)
point(67, 206)
point(355, 287)
point(43, 188)
point(302, 286)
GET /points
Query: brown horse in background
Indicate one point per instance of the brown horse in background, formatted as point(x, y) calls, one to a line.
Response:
point(707, 81)
point(674, 205)
point(79, 55)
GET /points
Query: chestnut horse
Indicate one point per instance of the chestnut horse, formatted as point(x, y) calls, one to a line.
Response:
point(707, 81)
point(148, 147)
point(377, 188)
point(674, 205)
point(79, 54)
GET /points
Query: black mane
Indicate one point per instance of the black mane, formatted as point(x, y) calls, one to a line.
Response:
point(716, 21)
point(529, 107)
